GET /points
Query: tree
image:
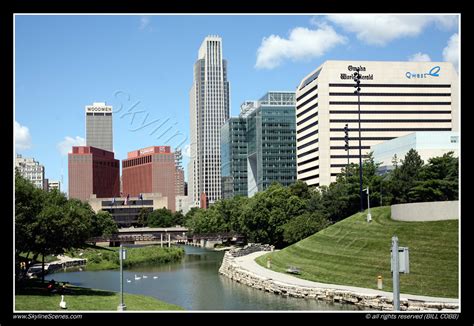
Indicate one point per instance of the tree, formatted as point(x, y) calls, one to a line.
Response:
point(142, 219)
point(103, 224)
point(439, 180)
point(405, 177)
point(304, 226)
point(161, 217)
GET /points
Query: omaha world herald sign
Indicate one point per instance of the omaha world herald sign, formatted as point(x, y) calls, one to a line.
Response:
point(351, 68)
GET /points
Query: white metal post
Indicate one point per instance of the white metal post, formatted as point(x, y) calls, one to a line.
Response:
point(395, 274)
point(121, 306)
point(369, 216)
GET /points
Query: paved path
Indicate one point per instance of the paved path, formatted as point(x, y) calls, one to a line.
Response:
point(248, 263)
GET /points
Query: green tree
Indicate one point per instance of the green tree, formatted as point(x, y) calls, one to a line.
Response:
point(142, 219)
point(103, 224)
point(161, 217)
point(404, 177)
point(440, 180)
point(304, 226)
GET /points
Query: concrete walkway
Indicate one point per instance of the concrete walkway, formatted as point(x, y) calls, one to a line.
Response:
point(248, 263)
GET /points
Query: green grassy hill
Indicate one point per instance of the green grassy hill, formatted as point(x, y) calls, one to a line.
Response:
point(354, 252)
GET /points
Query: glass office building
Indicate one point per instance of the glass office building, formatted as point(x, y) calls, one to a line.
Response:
point(268, 145)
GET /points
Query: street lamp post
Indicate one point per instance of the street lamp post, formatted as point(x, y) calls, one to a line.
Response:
point(122, 306)
point(357, 91)
point(369, 216)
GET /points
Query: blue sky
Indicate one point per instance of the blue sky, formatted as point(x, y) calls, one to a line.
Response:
point(143, 65)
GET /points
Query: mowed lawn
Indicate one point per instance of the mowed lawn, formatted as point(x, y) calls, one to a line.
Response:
point(354, 252)
point(35, 297)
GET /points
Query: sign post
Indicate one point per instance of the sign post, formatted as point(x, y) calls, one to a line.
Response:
point(400, 263)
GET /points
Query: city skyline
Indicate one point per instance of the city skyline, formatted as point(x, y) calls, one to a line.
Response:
point(142, 67)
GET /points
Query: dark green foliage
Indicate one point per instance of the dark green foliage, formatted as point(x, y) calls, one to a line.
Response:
point(283, 215)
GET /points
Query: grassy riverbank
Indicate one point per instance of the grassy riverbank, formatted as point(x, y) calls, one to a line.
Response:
point(33, 296)
point(354, 252)
point(101, 258)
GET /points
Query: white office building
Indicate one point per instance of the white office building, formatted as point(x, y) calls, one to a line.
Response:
point(428, 144)
point(99, 126)
point(396, 98)
point(209, 109)
point(31, 170)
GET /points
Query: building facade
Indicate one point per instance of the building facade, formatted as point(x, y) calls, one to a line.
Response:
point(99, 126)
point(209, 109)
point(259, 146)
point(428, 144)
point(31, 170)
point(396, 98)
point(54, 184)
point(234, 157)
point(92, 171)
point(124, 211)
point(150, 170)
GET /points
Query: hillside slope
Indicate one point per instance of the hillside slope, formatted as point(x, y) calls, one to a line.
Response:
point(354, 252)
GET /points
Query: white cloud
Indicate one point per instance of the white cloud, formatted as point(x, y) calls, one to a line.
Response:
point(302, 44)
point(419, 57)
point(65, 146)
point(22, 137)
point(451, 51)
point(381, 29)
point(144, 22)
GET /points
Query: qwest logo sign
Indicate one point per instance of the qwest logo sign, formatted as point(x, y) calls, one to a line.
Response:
point(434, 72)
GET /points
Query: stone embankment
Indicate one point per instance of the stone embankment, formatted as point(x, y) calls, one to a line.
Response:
point(285, 285)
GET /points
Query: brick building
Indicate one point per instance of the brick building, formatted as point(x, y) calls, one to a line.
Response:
point(151, 170)
point(93, 171)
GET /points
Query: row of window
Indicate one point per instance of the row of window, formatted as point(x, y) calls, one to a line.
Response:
point(311, 177)
point(390, 112)
point(308, 135)
point(387, 103)
point(307, 110)
point(316, 167)
point(308, 152)
point(392, 85)
point(308, 161)
point(307, 118)
point(308, 144)
point(307, 92)
point(314, 124)
point(390, 120)
point(388, 94)
point(300, 105)
point(392, 129)
point(137, 161)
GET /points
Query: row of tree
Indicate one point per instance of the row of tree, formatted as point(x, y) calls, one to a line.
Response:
point(284, 215)
point(47, 223)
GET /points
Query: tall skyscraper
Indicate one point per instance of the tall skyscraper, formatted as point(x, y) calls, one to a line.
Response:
point(99, 126)
point(209, 109)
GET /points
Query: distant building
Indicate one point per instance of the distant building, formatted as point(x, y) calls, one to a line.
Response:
point(396, 98)
point(31, 170)
point(54, 184)
point(234, 157)
point(99, 126)
point(428, 144)
point(183, 204)
point(92, 171)
point(126, 211)
point(151, 170)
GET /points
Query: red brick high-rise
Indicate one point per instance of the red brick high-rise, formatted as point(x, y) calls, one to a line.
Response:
point(150, 170)
point(93, 170)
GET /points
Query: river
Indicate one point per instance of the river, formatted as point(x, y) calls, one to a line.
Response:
point(194, 284)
